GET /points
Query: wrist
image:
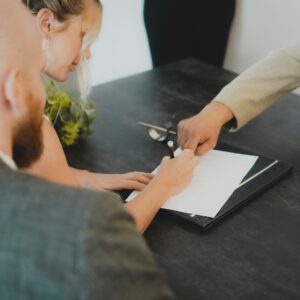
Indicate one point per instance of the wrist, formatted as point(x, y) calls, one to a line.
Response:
point(162, 186)
point(220, 111)
point(82, 177)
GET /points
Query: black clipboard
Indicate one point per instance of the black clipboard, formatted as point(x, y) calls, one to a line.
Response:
point(264, 174)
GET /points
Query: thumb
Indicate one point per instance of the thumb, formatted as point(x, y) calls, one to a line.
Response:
point(191, 144)
point(204, 148)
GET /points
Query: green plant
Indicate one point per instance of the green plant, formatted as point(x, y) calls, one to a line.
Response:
point(71, 118)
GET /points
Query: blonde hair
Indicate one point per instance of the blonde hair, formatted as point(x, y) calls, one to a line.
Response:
point(63, 9)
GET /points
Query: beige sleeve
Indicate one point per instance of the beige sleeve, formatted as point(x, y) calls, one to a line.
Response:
point(262, 85)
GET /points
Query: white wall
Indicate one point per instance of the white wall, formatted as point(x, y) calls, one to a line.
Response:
point(259, 26)
point(122, 48)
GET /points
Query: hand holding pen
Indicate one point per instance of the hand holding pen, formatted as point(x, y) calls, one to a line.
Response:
point(177, 172)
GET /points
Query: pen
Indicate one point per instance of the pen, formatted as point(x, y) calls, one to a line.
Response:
point(171, 149)
point(147, 125)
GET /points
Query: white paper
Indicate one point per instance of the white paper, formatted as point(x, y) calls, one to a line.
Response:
point(216, 177)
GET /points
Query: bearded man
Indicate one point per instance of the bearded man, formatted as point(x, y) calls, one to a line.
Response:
point(56, 242)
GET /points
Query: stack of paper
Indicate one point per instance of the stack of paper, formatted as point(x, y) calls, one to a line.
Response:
point(216, 177)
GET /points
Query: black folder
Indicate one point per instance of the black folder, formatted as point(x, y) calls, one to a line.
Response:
point(265, 173)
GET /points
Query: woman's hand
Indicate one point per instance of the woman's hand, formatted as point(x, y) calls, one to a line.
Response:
point(175, 174)
point(172, 177)
point(111, 182)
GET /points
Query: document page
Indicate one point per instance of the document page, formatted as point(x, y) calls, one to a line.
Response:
point(217, 176)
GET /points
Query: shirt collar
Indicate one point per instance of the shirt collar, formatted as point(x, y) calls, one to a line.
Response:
point(8, 161)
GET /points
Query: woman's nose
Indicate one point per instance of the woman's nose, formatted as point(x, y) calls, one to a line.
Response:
point(76, 61)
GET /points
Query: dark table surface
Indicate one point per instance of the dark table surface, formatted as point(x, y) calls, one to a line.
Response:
point(255, 252)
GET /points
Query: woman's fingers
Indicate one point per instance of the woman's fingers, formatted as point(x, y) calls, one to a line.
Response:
point(149, 175)
point(139, 176)
point(134, 185)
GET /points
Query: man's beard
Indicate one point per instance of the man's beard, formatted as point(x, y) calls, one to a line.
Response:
point(28, 141)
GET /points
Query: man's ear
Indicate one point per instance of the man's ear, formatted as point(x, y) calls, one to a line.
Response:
point(45, 19)
point(11, 90)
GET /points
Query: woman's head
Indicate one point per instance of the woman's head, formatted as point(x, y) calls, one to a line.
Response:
point(68, 27)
